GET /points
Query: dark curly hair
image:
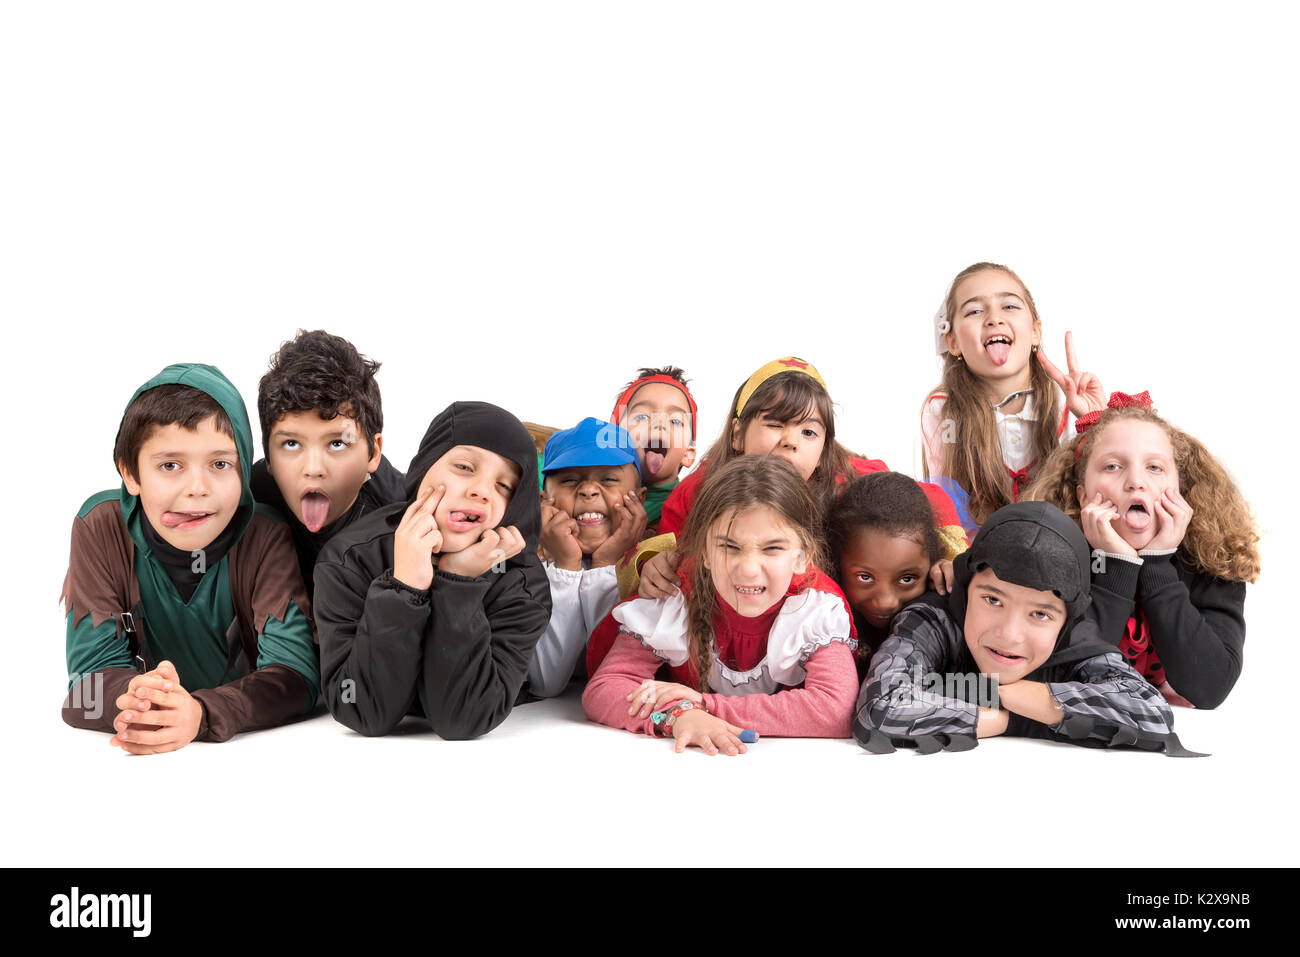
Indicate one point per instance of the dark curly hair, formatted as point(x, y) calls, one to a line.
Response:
point(315, 370)
point(889, 502)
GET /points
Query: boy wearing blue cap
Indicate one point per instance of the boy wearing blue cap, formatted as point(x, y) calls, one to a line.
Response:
point(592, 513)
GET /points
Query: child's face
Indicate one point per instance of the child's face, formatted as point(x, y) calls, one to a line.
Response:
point(189, 485)
point(479, 485)
point(798, 441)
point(881, 574)
point(753, 556)
point(320, 465)
point(659, 420)
point(1010, 629)
point(588, 494)
point(993, 329)
point(1132, 463)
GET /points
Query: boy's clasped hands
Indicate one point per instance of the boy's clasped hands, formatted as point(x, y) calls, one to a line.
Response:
point(156, 714)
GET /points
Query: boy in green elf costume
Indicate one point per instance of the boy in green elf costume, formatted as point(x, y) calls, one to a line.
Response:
point(187, 619)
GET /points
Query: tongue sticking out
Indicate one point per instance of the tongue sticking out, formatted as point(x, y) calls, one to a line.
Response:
point(654, 461)
point(998, 352)
point(1137, 519)
point(315, 509)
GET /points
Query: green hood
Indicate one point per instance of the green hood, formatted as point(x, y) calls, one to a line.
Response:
point(207, 379)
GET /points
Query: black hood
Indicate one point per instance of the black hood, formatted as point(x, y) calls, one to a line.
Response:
point(1035, 545)
point(493, 428)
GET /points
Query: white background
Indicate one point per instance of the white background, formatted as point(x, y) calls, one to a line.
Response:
point(524, 202)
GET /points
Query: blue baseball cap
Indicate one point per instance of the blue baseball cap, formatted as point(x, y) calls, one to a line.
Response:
point(590, 442)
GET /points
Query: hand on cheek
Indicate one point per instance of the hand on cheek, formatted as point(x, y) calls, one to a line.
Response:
point(1173, 515)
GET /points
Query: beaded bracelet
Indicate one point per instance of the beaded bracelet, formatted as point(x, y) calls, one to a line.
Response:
point(664, 720)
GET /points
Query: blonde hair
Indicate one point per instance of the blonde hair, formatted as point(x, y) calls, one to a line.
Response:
point(744, 483)
point(1221, 537)
point(975, 461)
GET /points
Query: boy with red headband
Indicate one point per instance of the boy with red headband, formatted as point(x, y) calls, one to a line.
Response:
point(658, 411)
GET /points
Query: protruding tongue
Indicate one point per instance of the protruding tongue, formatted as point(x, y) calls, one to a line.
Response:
point(1137, 519)
point(315, 509)
point(654, 461)
point(998, 352)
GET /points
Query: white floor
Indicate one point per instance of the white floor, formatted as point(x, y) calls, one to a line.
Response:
point(548, 787)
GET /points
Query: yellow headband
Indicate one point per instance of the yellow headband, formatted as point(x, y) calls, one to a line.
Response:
point(776, 367)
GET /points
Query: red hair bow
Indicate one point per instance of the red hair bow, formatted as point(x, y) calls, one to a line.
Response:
point(1118, 400)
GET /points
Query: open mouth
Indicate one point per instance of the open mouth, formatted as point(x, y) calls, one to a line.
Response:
point(184, 520)
point(592, 519)
point(655, 456)
point(465, 519)
point(1004, 657)
point(998, 348)
point(1137, 516)
point(315, 508)
point(749, 591)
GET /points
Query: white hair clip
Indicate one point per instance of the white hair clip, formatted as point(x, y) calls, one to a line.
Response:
point(941, 328)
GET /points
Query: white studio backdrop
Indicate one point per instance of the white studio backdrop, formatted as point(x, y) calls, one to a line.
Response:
point(523, 202)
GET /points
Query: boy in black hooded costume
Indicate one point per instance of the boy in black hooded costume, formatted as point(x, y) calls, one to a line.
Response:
point(1078, 689)
point(456, 650)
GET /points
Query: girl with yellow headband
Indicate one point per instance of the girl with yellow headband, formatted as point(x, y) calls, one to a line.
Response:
point(783, 409)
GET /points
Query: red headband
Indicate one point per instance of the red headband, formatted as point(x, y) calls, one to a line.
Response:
point(1117, 400)
point(620, 407)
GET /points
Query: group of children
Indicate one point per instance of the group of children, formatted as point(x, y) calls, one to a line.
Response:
point(1072, 566)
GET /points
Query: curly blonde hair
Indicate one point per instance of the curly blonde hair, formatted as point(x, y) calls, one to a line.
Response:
point(1221, 538)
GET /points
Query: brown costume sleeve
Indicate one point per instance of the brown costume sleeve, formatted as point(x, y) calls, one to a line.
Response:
point(264, 578)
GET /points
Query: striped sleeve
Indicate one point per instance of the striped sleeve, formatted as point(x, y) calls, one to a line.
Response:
point(1110, 703)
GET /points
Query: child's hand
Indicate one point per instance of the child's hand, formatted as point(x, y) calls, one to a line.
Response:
point(632, 526)
point(166, 720)
point(653, 696)
point(494, 546)
point(941, 576)
point(1083, 390)
point(1173, 515)
point(707, 732)
point(659, 576)
point(559, 537)
point(416, 539)
point(1098, 518)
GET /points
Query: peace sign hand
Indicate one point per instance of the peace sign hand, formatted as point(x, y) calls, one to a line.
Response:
point(1083, 390)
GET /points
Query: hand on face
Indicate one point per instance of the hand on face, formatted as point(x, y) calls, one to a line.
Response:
point(156, 714)
point(1098, 519)
point(629, 526)
point(1173, 515)
point(494, 546)
point(417, 540)
point(559, 537)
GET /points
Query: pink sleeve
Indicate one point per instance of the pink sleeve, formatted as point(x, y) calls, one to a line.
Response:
point(627, 665)
point(822, 708)
point(932, 437)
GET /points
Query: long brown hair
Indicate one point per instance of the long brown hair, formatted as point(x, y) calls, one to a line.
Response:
point(746, 482)
point(789, 396)
point(1221, 537)
point(974, 459)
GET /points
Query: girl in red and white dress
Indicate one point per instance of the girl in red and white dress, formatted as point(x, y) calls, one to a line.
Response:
point(757, 641)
